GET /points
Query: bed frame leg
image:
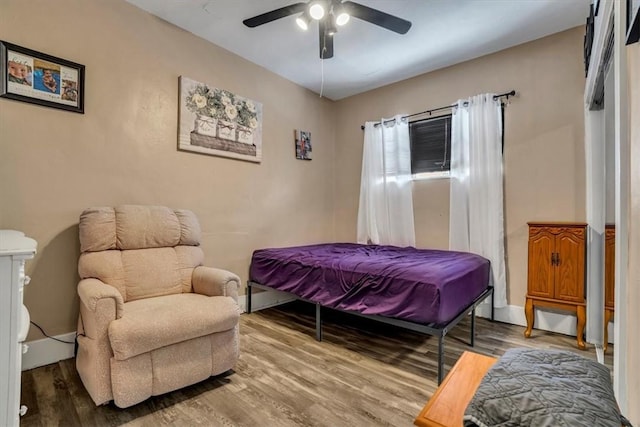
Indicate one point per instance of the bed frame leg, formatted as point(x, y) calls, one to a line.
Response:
point(248, 301)
point(440, 357)
point(318, 322)
point(493, 292)
point(473, 326)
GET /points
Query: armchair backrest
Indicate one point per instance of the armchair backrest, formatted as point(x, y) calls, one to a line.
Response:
point(142, 251)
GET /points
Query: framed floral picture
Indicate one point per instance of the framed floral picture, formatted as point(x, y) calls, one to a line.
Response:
point(303, 144)
point(42, 79)
point(218, 122)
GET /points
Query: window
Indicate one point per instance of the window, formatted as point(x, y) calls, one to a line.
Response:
point(430, 146)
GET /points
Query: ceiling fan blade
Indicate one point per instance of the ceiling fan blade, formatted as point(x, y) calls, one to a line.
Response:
point(275, 14)
point(326, 41)
point(377, 17)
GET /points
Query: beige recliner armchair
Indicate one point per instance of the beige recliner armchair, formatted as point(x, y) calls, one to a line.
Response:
point(152, 319)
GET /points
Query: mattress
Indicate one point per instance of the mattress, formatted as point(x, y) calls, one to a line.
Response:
point(419, 285)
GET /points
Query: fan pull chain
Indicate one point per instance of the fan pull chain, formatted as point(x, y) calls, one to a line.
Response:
point(321, 75)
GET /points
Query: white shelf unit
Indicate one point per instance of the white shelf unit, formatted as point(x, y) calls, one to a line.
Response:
point(15, 250)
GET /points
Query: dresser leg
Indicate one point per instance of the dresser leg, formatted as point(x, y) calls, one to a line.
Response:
point(528, 313)
point(581, 313)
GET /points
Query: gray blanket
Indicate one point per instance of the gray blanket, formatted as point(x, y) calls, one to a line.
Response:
point(544, 388)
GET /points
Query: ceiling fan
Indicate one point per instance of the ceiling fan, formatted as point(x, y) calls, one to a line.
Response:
point(330, 15)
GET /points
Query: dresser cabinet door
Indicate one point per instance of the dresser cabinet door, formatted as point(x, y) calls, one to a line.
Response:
point(569, 283)
point(609, 267)
point(541, 274)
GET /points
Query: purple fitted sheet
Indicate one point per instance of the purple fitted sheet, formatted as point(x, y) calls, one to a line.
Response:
point(420, 285)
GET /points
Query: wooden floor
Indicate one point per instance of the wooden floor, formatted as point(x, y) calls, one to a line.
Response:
point(363, 373)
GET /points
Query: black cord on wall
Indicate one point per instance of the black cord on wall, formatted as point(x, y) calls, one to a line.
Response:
point(48, 336)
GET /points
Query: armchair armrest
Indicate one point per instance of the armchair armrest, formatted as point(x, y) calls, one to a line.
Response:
point(93, 290)
point(215, 282)
point(100, 304)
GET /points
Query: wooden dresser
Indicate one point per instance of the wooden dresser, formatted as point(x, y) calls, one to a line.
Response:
point(556, 272)
point(609, 278)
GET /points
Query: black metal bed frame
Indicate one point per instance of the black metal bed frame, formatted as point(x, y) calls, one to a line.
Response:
point(431, 329)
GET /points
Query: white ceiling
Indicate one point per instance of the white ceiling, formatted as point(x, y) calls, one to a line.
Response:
point(444, 32)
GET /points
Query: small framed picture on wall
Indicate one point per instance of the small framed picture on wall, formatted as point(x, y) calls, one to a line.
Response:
point(42, 79)
point(303, 144)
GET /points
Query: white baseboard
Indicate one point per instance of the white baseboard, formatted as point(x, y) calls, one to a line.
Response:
point(46, 351)
point(265, 299)
point(546, 320)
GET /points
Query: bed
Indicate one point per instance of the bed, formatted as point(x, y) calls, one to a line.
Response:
point(427, 291)
point(524, 387)
point(534, 387)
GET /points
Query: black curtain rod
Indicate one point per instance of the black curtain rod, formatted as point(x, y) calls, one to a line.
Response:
point(506, 95)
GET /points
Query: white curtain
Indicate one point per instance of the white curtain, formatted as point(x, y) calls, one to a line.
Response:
point(476, 203)
point(385, 214)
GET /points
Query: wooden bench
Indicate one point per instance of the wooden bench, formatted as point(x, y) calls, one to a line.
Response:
point(446, 406)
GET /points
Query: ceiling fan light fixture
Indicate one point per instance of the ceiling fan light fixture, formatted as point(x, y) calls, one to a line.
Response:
point(342, 18)
point(331, 15)
point(316, 10)
point(341, 15)
point(303, 21)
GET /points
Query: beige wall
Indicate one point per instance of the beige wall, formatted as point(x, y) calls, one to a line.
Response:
point(544, 141)
point(54, 163)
